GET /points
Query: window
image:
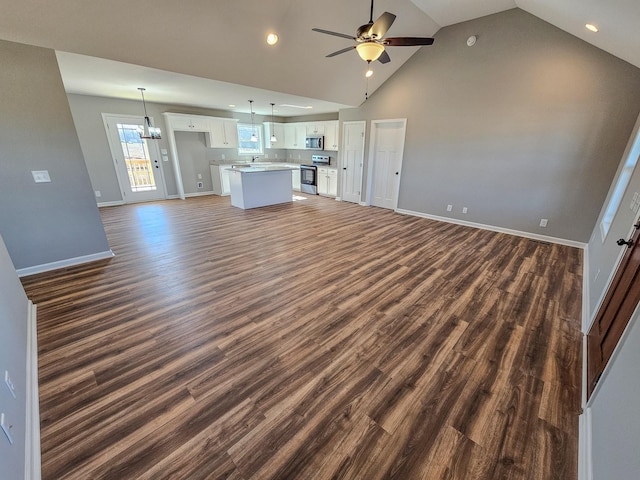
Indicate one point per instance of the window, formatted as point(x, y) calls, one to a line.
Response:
point(245, 145)
point(621, 187)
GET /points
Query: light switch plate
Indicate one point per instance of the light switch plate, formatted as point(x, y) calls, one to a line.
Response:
point(41, 176)
point(9, 383)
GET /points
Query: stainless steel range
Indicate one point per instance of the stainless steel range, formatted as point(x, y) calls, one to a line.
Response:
point(309, 174)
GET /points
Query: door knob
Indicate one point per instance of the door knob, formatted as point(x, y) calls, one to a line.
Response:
point(397, 173)
point(622, 241)
point(637, 225)
point(344, 168)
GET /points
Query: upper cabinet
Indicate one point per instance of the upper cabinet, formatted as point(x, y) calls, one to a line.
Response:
point(315, 128)
point(188, 123)
point(331, 135)
point(295, 135)
point(223, 133)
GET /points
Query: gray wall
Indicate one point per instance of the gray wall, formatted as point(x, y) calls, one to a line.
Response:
point(13, 346)
point(614, 413)
point(529, 123)
point(46, 222)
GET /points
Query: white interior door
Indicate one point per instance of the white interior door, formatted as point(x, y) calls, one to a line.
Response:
point(352, 160)
point(137, 160)
point(385, 157)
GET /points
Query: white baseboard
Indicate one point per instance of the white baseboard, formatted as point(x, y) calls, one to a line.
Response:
point(23, 272)
point(585, 465)
point(198, 194)
point(362, 204)
point(517, 233)
point(110, 204)
point(32, 444)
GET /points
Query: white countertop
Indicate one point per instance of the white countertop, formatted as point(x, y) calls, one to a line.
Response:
point(262, 168)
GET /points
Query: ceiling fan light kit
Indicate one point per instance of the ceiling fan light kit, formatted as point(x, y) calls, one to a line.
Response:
point(369, 51)
point(370, 43)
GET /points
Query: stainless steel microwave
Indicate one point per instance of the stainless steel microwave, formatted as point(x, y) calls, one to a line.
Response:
point(314, 142)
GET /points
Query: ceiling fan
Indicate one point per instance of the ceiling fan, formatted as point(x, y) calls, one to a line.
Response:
point(370, 42)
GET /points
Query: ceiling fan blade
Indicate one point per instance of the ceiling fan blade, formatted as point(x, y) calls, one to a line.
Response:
point(381, 25)
point(344, 50)
point(336, 34)
point(384, 58)
point(407, 41)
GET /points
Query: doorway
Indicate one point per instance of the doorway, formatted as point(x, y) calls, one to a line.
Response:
point(352, 160)
point(136, 160)
point(617, 308)
point(386, 148)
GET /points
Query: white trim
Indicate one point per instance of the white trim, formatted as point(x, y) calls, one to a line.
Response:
point(338, 199)
point(116, 203)
point(517, 233)
point(585, 290)
point(45, 267)
point(363, 204)
point(345, 125)
point(32, 443)
point(371, 158)
point(198, 194)
point(173, 197)
point(585, 452)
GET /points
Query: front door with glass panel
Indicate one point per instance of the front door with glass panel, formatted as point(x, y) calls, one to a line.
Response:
point(136, 160)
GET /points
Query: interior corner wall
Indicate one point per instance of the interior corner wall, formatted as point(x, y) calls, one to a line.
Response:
point(14, 308)
point(42, 223)
point(529, 123)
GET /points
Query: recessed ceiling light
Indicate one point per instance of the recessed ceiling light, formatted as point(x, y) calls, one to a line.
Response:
point(272, 38)
point(592, 27)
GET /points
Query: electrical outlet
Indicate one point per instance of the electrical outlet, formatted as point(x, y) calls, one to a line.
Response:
point(449, 208)
point(543, 222)
point(464, 209)
point(200, 185)
point(199, 176)
point(6, 428)
point(10, 385)
point(223, 156)
point(98, 193)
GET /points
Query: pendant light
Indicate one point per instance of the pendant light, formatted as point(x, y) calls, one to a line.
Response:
point(254, 137)
point(273, 132)
point(148, 131)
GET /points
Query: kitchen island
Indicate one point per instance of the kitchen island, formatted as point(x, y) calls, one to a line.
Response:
point(258, 186)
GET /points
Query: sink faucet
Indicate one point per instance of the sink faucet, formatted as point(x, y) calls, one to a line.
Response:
point(254, 158)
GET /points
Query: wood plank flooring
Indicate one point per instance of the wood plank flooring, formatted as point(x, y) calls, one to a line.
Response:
point(314, 340)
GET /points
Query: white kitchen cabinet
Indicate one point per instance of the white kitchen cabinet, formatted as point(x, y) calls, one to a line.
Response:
point(295, 135)
point(188, 123)
point(220, 179)
point(328, 181)
point(315, 128)
point(332, 135)
point(223, 133)
point(278, 129)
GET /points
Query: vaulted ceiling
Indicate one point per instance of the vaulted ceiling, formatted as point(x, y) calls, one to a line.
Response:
point(213, 53)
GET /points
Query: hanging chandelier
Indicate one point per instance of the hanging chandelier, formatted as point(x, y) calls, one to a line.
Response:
point(148, 131)
point(273, 132)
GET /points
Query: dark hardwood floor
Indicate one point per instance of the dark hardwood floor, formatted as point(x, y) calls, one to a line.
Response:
point(314, 340)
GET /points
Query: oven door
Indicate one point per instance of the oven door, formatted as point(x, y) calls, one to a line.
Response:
point(309, 179)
